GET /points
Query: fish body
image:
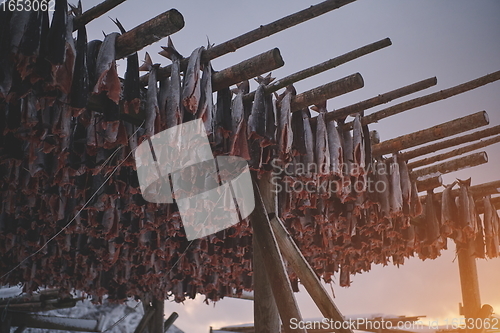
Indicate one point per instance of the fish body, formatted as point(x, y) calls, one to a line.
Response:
point(173, 107)
point(416, 208)
point(152, 109)
point(448, 211)
point(284, 126)
point(322, 150)
point(105, 72)
point(80, 85)
point(257, 118)
point(396, 198)
point(466, 216)
point(57, 33)
point(358, 148)
point(384, 192)
point(308, 158)
point(433, 232)
point(206, 107)
point(191, 91)
point(404, 175)
point(239, 142)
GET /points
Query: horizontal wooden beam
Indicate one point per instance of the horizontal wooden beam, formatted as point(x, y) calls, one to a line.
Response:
point(149, 32)
point(477, 191)
point(306, 274)
point(453, 165)
point(381, 99)
point(407, 155)
point(480, 204)
point(260, 64)
point(437, 132)
point(54, 323)
point(327, 91)
point(324, 66)
point(95, 12)
point(427, 99)
point(429, 183)
point(259, 33)
point(455, 152)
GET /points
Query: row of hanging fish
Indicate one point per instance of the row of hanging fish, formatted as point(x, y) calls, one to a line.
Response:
point(68, 170)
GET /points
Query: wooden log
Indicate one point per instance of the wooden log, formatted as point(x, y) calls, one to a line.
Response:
point(437, 132)
point(273, 263)
point(95, 12)
point(381, 99)
point(170, 321)
point(452, 165)
point(156, 322)
point(407, 155)
point(469, 281)
point(427, 99)
point(327, 91)
point(247, 69)
point(495, 201)
point(306, 274)
point(265, 310)
point(429, 183)
point(455, 152)
point(324, 66)
point(259, 33)
point(54, 323)
point(143, 324)
point(477, 191)
point(149, 32)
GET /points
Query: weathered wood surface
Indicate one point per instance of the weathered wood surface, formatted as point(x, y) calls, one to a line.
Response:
point(437, 132)
point(427, 99)
point(324, 66)
point(149, 32)
point(170, 321)
point(407, 155)
point(143, 324)
point(469, 281)
point(455, 152)
point(54, 323)
point(381, 99)
point(259, 33)
point(327, 91)
point(453, 165)
point(155, 324)
point(273, 263)
point(260, 64)
point(495, 201)
point(305, 273)
point(477, 191)
point(429, 183)
point(95, 12)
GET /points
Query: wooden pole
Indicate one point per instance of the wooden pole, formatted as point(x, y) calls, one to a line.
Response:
point(324, 66)
point(427, 99)
point(54, 323)
point(480, 204)
point(149, 32)
point(477, 191)
point(307, 276)
point(259, 33)
point(148, 314)
point(273, 263)
point(455, 152)
point(260, 64)
point(437, 132)
point(170, 321)
point(265, 310)
point(453, 165)
point(429, 183)
point(156, 321)
point(450, 143)
point(95, 12)
point(327, 91)
point(381, 99)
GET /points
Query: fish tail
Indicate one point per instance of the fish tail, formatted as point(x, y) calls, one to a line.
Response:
point(148, 63)
point(119, 25)
point(169, 51)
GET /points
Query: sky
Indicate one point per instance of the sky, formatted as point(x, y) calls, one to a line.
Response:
point(456, 41)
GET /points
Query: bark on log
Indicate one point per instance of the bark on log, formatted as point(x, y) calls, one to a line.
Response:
point(480, 204)
point(247, 69)
point(381, 99)
point(477, 191)
point(408, 155)
point(307, 276)
point(327, 91)
point(259, 33)
point(148, 314)
point(149, 32)
point(156, 321)
point(95, 12)
point(453, 165)
point(427, 99)
point(455, 152)
point(170, 321)
point(273, 262)
point(324, 66)
point(429, 183)
point(437, 132)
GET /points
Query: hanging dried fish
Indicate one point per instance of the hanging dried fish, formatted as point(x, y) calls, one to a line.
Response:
point(322, 150)
point(239, 129)
point(383, 189)
point(396, 199)
point(284, 128)
point(479, 241)
point(223, 118)
point(490, 228)
point(80, 85)
point(448, 211)
point(467, 217)
point(347, 147)
point(257, 126)
point(206, 107)
point(93, 48)
point(106, 74)
point(174, 111)
point(131, 86)
point(308, 158)
point(57, 33)
point(29, 47)
point(404, 175)
point(358, 148)
point(152, 110)
point(432, 223)
point(191, 91)
point(63, 73)
point(415, 204)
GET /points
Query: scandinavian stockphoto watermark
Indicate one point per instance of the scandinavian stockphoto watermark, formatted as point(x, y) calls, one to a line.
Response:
point(212, 194)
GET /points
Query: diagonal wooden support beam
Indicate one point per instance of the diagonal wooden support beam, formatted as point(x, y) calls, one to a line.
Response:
point(95, 12)
point(273, 263)
point(437, 132)
point(307, 276)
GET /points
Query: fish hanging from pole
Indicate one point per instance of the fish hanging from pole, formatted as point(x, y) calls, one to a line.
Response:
point(239, 127)
point(80, 86)
point(284, 125)
point(173, 106)
point(152, 111)
point(191, 91)
point(206, 106)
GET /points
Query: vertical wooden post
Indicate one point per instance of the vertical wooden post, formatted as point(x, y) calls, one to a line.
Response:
point(156, 321)
point(265, 311)
point(468, 280)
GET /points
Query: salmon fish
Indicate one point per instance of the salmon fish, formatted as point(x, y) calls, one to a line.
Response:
point(322, 150)
point(284, 128)
point(173, 108)
point(239, 142)
point(308, 158)
point(358, 148)
point(206, 106)
point(80, 85)
point(152, 110)
point(467, 217)
point(396, 199)
point(448, 211)
point(404, 175)
point(191, 91)
point(105, 72)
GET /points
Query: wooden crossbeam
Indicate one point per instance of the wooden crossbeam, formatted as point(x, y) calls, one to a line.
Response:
point(453, 165)
point(455, 152)
point(54, 323)
point(407, 155)
point(437, 132)
point(95, 12)
point(429, 183)
point(477, 191)
point(259, 33)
